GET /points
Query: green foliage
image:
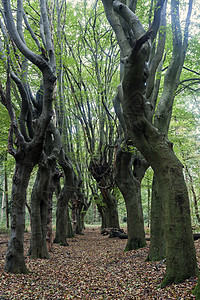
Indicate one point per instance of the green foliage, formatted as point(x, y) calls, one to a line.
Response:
point(87, 58)
point(4, 230)
point(127, 146)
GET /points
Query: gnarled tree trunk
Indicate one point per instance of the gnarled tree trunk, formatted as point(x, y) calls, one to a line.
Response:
point(28, 146)
point(111, 212)
point(157, 245)
point(39, 213)
point(15, 262)
point(101, 173)
point(63, 223)
point(131, 191)
point(154, 146)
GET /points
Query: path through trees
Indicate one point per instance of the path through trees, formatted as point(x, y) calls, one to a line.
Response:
point(91, 267)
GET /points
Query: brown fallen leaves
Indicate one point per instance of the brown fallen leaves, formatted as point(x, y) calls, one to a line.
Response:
point(91, 267)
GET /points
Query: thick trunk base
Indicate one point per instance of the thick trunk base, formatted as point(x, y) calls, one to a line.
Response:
point(196, 290)
point(40, 252)
point(156, 254)
point(61, 241)
point(157, 250)
point(134, 244)
point(15, 262)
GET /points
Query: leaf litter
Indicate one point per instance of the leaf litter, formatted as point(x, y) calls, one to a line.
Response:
point(91, 267)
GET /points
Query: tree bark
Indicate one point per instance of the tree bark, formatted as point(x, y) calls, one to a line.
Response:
point(112, 219)
point(102, 212)
point(193, 194)
point(15, 262)
point(157, 244)
point(6, 193)
point(62, 219)
point(180, 251)
point(63, 227)
point(39, 213)
point(197, 289)
point(101, 173)
point(131, 191)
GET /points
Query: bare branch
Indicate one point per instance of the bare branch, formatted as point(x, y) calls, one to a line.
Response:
point(156, 21)
point(47, 33)
point(31, 31)
point(116, 25)
point(130, 17)
point(34, 58)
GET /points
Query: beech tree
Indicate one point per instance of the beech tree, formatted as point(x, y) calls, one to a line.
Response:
point(26, 140)
point(92, 78)
point(152, 142)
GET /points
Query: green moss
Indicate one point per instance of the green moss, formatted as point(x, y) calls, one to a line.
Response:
point(4, 230)
point(166, 281)
point(196, 290)
point(134, 244)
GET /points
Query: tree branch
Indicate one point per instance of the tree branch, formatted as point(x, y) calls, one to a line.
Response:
point(130, 17)
point(34, 58)
point(47, 33)
point(116, 25)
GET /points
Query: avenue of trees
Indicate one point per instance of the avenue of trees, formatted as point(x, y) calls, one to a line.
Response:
point(99, 105)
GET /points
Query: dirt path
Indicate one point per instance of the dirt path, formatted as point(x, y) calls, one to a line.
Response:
point(91, 267)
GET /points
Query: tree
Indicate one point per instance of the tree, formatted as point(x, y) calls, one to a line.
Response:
point(152, 142)
point(129, 183)
point(89, 78)
point(42, 192)
point(63, 224)
point(26, 147)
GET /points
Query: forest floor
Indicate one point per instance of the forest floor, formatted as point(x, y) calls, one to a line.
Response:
point(91, 267)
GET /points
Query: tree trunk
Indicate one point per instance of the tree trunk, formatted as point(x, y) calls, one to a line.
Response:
point(6, 195)
point(2, 205)
point(69, 229)
point(180, 251)
point(63, 223)
point(49, 236)
point(78, 221)
point(77, 205)
point(197, 290)
point(131, 191)
point(193, 194)
point(25, 149)
point(62, 219)
point(101, 173)
point(102, 212)
point(39, 214)
point(83, 214)
point(112, 219)
point(15, 262)
point(157, 245)
point(179, 243)
point(63, 227)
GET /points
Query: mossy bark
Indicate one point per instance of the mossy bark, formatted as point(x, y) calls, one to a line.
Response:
point(157, 244)
point(131, 191)
point(62, 219)
point(39, 213)
point(63, 226)
point(15, 262)
point(196, 290)
point(112, 218)
point(180, 251)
